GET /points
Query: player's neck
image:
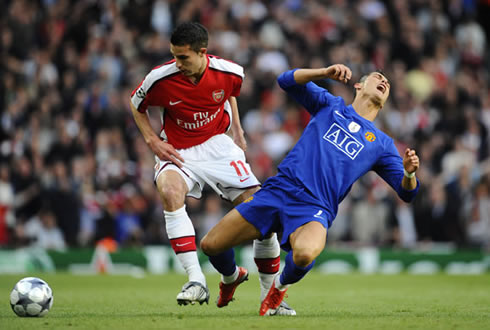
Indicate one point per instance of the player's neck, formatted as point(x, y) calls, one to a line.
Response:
point(197, 77)
point(366, 108)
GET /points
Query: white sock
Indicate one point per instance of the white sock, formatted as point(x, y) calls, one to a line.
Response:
point(265, 284)
point(279, 285)
point(230, 279)
point(181, 233)
point(266, 249)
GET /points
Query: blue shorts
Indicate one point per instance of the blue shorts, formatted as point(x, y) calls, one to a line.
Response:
point(281, 206)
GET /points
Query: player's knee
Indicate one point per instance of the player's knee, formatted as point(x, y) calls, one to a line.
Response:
point(304, 257)
point(207, 246)
point(173, 196)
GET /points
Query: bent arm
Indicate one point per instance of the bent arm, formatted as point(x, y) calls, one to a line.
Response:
point(161, 149)
point(298, 83)
point(391, 168)
point(409, 183)
point(411, 164)
point(144, 125)
point(236, 126)
point(303, 76)
point(337, 72)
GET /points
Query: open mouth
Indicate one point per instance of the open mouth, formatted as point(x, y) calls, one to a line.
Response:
point(381, 88)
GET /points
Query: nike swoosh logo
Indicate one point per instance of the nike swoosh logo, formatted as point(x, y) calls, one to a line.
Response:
point(243, 180)
point(183, 244)
point(274, 265)
point(174, 103)
point(318, 215)
point(339, 114)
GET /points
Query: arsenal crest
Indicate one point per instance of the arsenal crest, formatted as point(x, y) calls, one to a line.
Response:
point(218, 95)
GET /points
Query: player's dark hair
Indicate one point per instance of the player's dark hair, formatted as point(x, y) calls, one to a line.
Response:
point(363, 78)
point(190, 33)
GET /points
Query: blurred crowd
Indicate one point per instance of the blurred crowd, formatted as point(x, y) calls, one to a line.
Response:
point(74, 168)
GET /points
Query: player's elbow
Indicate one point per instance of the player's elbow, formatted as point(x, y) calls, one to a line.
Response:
point(407, 196)
point(407, 199)
point(281, 80)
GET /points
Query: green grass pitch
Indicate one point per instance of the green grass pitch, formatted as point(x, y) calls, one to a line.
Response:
point(321, 301)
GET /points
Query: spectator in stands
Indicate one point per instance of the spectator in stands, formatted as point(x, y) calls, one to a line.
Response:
point(66, 66)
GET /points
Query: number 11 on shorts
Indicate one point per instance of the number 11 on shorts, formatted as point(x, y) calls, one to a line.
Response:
point(237, 169)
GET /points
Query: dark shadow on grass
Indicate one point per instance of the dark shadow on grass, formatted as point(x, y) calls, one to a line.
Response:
point(162, 314)
point(379, 315)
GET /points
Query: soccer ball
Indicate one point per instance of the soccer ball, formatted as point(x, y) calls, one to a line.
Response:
point(31, 297)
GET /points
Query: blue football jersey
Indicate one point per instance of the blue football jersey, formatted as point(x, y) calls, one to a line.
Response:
point(337, 147)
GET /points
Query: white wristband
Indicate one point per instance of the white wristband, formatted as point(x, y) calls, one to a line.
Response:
point(408, 175)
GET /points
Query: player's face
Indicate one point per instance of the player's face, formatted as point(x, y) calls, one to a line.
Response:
point(189, 62)
point(376, 85)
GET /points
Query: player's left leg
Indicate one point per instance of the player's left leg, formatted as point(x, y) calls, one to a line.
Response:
point(267, 258)
point(173, 187)
point(218, 244)
point(266, 253)
point(307, 242)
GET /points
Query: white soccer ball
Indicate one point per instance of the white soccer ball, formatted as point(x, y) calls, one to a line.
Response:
point(31, 297)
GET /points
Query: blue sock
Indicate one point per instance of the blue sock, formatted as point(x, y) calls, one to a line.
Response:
point(293, 273)
point(224, 262)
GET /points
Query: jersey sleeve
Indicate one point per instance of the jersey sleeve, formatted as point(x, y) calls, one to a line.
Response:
point(309, 95)
point(141, 97)
point(233, 72)
point(390, 168)
point(237, 86)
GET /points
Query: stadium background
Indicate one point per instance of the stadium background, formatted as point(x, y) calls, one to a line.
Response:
point(74, 169)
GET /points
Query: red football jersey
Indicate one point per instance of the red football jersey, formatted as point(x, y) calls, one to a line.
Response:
point(191, 113)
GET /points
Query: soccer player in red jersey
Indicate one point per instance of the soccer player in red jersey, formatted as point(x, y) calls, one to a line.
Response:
point(196, 93)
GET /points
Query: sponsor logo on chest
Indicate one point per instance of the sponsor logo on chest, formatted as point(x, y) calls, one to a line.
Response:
point(344, 141)
point(200, 119)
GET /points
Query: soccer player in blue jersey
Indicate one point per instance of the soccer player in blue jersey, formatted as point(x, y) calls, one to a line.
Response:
point(339, 145)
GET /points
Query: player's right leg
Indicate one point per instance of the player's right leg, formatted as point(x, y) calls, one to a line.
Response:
point(218, 244)
point(180, 230)
point(307, 242)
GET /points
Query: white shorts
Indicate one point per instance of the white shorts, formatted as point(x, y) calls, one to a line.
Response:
point(219, 162)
